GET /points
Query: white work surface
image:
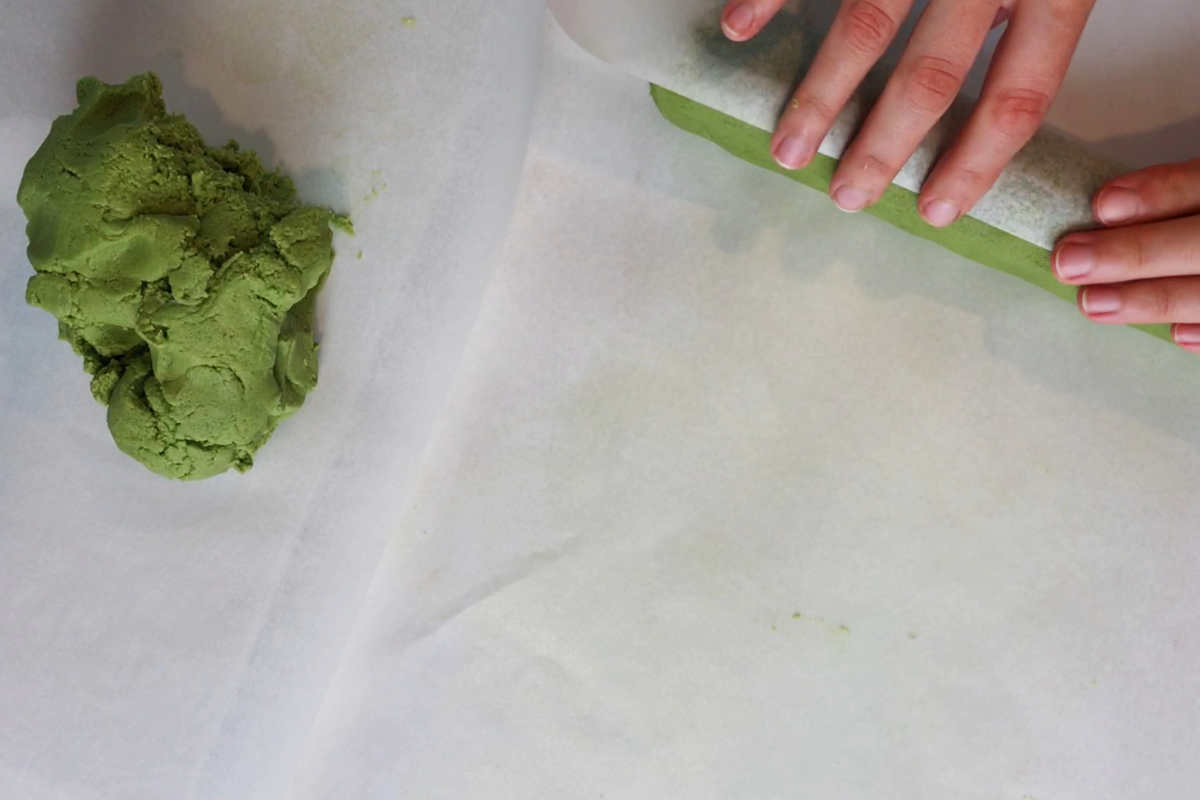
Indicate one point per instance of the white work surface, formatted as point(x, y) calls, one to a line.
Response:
point(718, 493)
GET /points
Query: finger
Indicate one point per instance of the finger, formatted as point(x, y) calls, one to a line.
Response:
point(743, 19)
point(1172, 190)
point(1003, 14)
point(1025, 75)
point(1157, 300)
point(860, 35)
point(1187, 337)
point(925, 83)
point(1153, 250)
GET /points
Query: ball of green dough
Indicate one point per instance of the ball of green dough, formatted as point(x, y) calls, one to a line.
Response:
point(184, 275)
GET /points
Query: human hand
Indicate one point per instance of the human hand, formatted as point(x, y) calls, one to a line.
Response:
point(1144, 265)
point(1025, 75)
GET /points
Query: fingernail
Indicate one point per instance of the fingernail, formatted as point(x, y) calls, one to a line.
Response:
point(1188, 335)
point(940, 213)
point(740, 19)
point(1118, 205)
point(851, 199)
point(1073, 261)
point(1100, 300)
point(793, 152)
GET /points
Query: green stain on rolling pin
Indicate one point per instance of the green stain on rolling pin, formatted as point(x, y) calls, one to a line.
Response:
point(968, 237)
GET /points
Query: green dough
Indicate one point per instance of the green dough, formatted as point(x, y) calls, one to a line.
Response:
point(184, 275)
point(968, 237)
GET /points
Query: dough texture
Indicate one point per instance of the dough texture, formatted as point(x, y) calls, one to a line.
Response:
point(184, 275)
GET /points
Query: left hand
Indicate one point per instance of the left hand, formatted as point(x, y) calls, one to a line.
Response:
point(1144, 265)
point(1024, 77)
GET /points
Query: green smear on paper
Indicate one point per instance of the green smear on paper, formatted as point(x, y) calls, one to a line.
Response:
point(968, 237)
point(184, 275)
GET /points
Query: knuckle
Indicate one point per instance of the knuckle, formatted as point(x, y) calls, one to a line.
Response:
point(868, 28)
point(933, 83)
point(866, 171)
point(976, 180)
point(1179, 187)
point(962, 181)
point(811, 105)
point(1159, 300)
point(878, 169)
point(1124, 254)
point(1017, 113)
point(1065, 12)
point(1136, 255)
point(1156, 189)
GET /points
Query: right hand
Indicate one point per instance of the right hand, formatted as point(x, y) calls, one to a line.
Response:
point(1023, 79)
